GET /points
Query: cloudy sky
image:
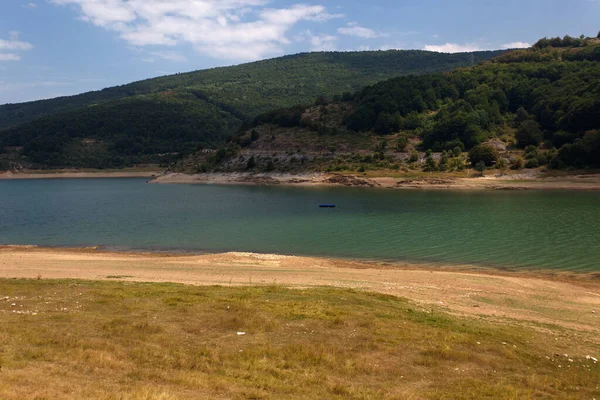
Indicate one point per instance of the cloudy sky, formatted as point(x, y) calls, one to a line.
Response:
point(50, 48)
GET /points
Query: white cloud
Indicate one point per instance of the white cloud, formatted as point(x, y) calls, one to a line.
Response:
point(453, 48)
point(318, 42)
point(165, 55)
point(353, 29)
point(232, 29)
point(515, 45)
point(11, 45)
point(9, 57)
point(323, 43)
point(31, 5)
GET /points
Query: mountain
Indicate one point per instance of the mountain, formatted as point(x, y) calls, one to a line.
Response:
point(532, 107)
point(158, 119)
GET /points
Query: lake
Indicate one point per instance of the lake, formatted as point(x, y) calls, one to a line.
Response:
point(520, 229)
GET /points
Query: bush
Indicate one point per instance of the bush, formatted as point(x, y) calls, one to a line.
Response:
point(430, 164)
point(532, 163)
point(483, 153)
point(517, 163)
point(542, 159)
point(502, 164)
point(402, 143)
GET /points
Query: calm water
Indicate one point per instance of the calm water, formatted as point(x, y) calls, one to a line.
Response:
point(514, 229)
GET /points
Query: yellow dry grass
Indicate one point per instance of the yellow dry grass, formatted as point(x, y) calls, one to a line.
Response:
point(66, 339)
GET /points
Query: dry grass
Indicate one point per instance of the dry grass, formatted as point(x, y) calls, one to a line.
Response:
point(115, 340)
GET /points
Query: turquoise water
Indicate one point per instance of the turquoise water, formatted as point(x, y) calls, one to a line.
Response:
point(525, 229)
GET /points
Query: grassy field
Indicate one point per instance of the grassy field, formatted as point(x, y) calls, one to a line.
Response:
point(115, 340)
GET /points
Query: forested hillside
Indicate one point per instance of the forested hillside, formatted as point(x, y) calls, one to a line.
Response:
point(260, 86)
point(546, 96)
point(540, 106)
point(123, 133)
point(157, 120)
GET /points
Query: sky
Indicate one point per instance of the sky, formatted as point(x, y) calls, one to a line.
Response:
point(51, 48)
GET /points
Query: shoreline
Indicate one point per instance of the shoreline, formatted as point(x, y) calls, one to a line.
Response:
point(77, 175)
point(527, 180)
point(569, 300)
point(522, 181)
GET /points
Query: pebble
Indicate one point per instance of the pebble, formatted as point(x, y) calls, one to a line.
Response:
point(241, 333)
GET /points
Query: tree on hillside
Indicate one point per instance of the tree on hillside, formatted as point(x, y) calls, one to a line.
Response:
point(528, 134)
point(251, 163)
point(480, 167)
point(483, 153)
point(387, 123)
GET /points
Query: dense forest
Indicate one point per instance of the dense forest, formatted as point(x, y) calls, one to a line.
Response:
point(260, 86)
point(155, 129)
point(545, 99)
point(157, 120)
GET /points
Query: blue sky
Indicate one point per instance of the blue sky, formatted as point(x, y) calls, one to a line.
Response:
point(50, 48)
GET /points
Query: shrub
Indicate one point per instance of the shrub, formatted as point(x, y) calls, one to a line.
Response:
point(402, 143)
point(414, 157)
point(502, 165)
point(517, 163)
point(430, 164)
point(532, 163)
point(542, 159)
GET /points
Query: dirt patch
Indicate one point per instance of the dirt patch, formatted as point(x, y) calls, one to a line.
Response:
point(345, 180)
point(529, 180)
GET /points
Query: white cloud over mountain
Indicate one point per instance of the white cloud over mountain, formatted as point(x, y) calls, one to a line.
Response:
point(232, 29)
point(453, 48)
point(468, 47)
point(515, 45)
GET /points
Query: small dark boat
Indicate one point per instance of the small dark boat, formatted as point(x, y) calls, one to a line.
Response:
point(327, 206)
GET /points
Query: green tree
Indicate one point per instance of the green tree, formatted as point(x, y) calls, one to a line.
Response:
point(270, 166)
point(480, 167)
point(483, 153)
point(502, 165)
point(529, 133)
point(430, 164)
point(251, 163)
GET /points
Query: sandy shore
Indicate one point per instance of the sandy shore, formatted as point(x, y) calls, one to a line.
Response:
point(538, 300)
point(521, 181)
point(76, 175)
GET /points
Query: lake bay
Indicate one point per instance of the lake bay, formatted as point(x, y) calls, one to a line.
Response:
point(521, 229)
